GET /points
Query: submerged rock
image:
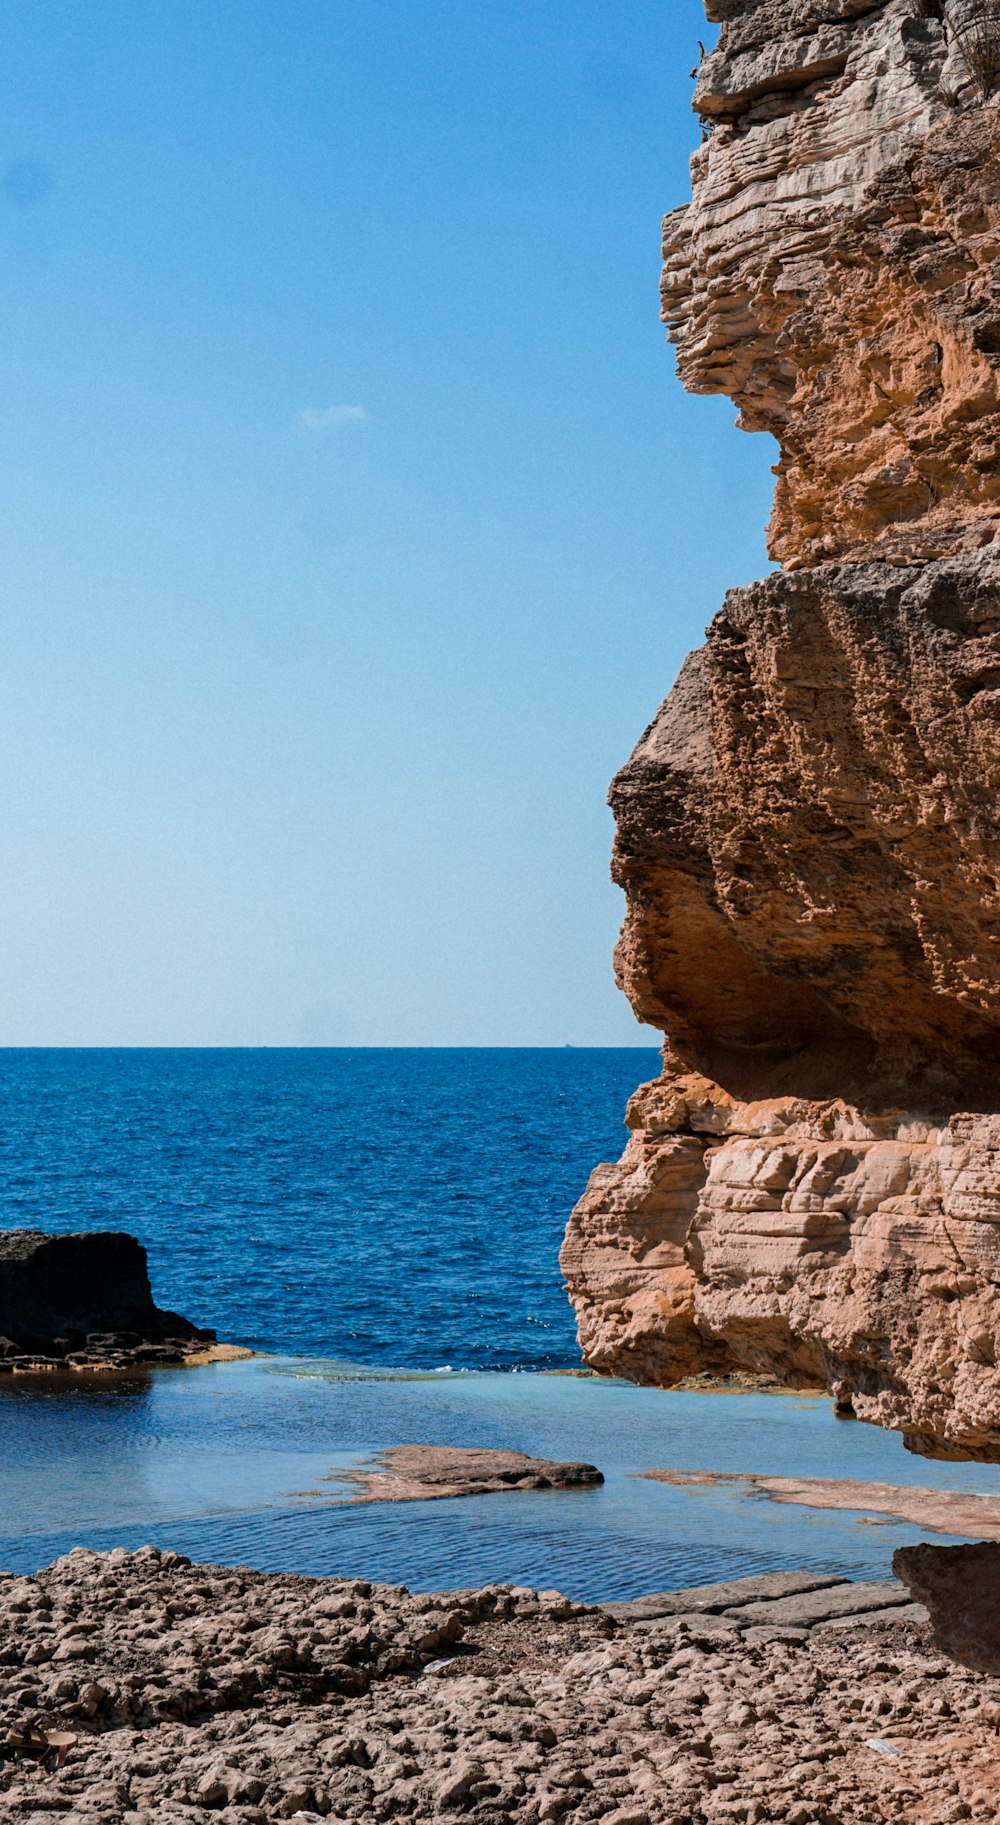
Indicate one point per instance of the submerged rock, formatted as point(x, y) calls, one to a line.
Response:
point(84, 1301)
point(420, 1473)
point(947, 1511)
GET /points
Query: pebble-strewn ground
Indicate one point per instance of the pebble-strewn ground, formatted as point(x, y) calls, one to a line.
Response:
point(201, 1694)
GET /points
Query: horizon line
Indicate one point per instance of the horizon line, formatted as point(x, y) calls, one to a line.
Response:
point(361, 1046)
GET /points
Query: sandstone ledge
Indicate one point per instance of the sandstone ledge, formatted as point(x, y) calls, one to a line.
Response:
point(200, 1694)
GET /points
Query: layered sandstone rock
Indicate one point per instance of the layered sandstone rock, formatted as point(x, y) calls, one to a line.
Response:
point(808, 834)
point(836, 271)
point(803, 1240)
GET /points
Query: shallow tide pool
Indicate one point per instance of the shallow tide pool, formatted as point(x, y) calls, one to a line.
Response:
point(231, 1463)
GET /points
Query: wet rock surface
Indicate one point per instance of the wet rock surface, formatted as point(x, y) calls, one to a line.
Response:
point(949, 1511)
point(80, 1302)
point(199, 1694)
point(420, 1473)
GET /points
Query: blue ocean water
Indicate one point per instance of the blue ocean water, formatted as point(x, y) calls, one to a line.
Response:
point(394, 1207)
point(386, 1224)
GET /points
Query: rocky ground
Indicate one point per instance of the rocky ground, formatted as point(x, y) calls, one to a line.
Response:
point(202, 1694)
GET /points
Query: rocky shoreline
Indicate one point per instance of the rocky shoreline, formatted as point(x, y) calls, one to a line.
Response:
point(186, 1694)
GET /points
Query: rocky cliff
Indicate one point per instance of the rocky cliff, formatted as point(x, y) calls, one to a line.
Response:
point(808, 834)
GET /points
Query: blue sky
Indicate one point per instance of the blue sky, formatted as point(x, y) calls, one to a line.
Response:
point(352, 520)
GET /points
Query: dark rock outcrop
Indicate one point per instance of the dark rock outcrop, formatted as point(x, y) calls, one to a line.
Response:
point(960, 1588)
point(84, 1301)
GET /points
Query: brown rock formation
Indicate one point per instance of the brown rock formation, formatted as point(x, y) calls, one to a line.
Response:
point(835, 273)
point(808, 833)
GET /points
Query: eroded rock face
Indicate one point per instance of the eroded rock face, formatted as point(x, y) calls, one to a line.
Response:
point(809, 840)
point(810, 1243)
point(835, 272)
point(808, 834)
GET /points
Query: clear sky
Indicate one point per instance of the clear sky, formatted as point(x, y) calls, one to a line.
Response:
point(352, 521)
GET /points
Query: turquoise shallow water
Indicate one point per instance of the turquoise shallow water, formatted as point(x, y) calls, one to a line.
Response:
point(229, 1464)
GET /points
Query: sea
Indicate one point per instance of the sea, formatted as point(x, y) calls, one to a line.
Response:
point(382, 1228)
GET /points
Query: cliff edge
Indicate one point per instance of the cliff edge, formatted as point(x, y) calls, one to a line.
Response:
point(808, 835)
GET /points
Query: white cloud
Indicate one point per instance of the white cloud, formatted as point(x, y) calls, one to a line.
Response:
point(328, 418)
